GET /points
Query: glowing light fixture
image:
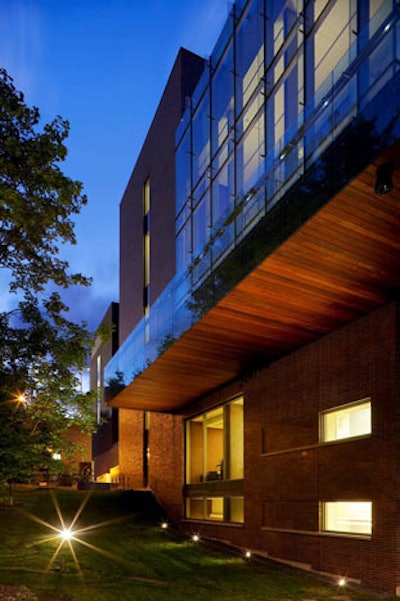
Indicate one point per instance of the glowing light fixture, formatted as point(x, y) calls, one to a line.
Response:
point(248, 555)
point(164, 525)
point(342, 582)
point(21, 399)
point(66, 534)
point(195, 538)
point(70, 535)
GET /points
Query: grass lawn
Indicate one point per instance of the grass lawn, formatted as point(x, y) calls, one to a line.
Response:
point(125, 555)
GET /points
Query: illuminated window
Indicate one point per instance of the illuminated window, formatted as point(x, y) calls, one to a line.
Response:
point(214, 452)
point(146, 244)
point(98, 385)
point(214, 444)
point(227, 509)
point(346, 422)
point(349, 517)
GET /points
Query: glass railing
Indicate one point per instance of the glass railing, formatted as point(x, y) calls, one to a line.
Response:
point(340, 99)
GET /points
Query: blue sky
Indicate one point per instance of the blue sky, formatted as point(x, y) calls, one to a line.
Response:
point(103, 65)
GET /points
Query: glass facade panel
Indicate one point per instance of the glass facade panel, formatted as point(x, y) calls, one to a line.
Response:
point(283, 15)
point(249, 67)
point(183, 172)
point(379, 10)
point(201, 224)
point(332, 41)
point(222, 192)
point(275, 120)
point(319, 6)
point(201, 138)
point(346, 422)
point(222, 207)
point(183, 248)
point(222, 101)
point(347, 517)
point(250, 156)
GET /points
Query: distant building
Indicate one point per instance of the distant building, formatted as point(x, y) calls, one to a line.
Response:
point(105, 441)
point(258, 366)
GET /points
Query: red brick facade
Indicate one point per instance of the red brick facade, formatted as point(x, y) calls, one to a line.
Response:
point(288, 472)
point(131, 456)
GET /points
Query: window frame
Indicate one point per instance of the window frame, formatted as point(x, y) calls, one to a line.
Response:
point(323, 414)
point(202, 486)
point(346, 533)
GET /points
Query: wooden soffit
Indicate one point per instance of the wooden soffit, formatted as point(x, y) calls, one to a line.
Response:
point(341, 264)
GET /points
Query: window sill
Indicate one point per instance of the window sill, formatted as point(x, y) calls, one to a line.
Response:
point(317, 445)
point(213, 523)
point(364, 537)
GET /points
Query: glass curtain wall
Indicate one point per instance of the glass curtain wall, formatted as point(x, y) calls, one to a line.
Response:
point(281, 84)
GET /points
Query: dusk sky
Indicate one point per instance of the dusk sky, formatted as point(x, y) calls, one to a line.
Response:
point(103, 65)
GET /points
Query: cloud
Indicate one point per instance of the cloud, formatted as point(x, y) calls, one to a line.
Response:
point(86, 305)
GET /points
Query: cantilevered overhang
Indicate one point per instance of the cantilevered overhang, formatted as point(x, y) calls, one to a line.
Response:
point(343, 262)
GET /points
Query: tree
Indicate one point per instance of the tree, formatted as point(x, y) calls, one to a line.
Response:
point(42, 351)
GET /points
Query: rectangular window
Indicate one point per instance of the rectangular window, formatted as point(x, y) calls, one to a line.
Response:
point(220, 509)
point(98, 384)
point(214, 444)
point(348, 517)
point(214, 453)
point(346, 422)
point(146, 246)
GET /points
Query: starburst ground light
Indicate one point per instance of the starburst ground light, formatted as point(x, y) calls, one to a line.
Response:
point(67, 534)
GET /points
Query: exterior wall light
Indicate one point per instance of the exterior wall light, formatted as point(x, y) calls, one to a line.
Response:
point(66, 534)
point(248, 555)
point(384, 182)
point(164, 525)
point(195, 538)
point(342, 582)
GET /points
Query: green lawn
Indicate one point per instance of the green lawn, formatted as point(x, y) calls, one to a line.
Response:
point(125, 555)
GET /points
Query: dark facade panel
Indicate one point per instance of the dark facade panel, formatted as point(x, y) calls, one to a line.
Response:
point(156, 164)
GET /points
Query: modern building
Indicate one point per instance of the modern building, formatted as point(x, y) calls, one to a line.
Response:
point(258, 366)
point(105, 456)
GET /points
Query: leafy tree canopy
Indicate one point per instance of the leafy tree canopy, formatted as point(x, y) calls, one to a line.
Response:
point(42, 351)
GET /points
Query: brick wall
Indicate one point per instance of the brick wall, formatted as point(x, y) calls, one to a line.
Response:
point(288, 472)
point(131, 425)
point(166, 461)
